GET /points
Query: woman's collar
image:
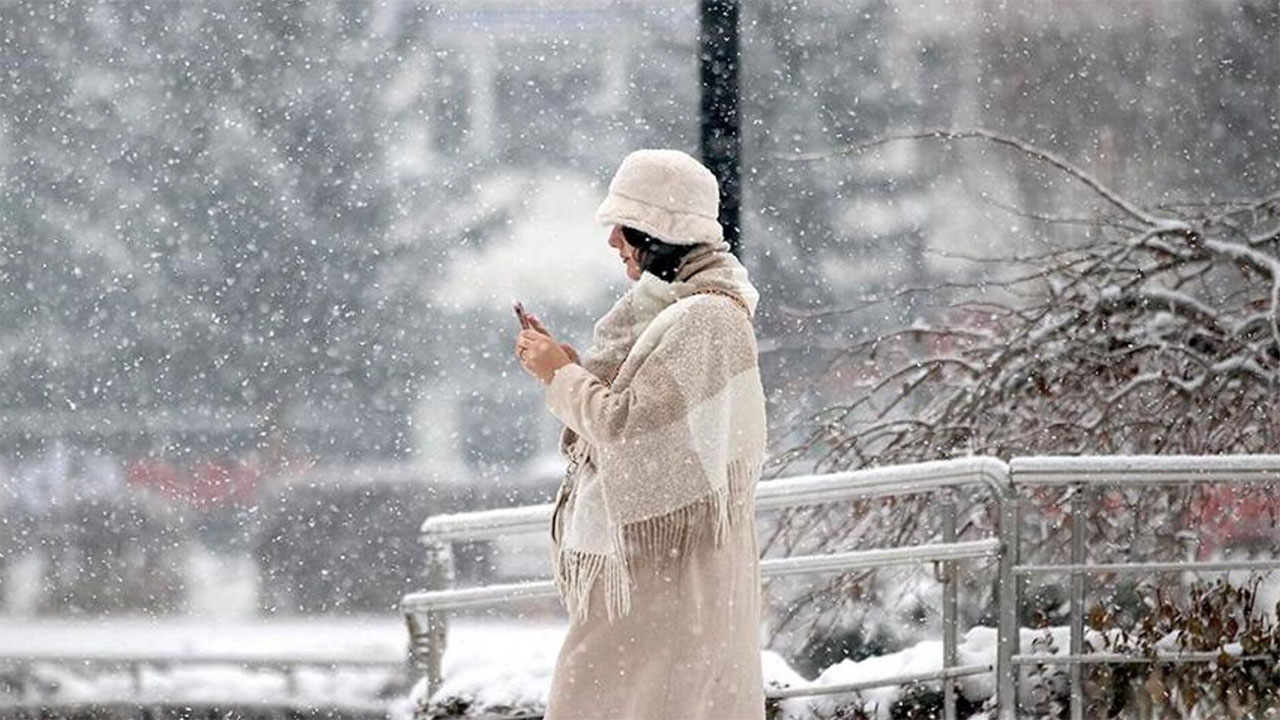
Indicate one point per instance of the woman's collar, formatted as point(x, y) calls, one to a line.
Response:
point(693, 261)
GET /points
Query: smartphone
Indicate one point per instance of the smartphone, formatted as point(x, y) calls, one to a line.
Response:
point(524, 319)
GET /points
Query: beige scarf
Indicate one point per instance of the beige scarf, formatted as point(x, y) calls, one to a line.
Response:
point(676, 442)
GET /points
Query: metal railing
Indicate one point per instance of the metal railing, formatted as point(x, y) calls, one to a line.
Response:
point(1083, 475)
point(426, 612)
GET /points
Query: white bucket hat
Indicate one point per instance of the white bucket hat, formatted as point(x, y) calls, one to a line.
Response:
point(667, 194)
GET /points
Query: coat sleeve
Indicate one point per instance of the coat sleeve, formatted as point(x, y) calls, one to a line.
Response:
point(586, 405)
point(688, 362)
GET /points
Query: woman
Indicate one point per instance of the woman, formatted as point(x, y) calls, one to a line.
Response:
point(653, 535)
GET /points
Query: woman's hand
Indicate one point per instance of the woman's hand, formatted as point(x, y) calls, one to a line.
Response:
point(539, 355)
point(537, 325)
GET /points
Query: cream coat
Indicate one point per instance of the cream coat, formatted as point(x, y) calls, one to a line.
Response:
point(688, 650)
point(689, 646)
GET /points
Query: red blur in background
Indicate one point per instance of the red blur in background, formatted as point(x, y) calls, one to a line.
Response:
point(207, 483)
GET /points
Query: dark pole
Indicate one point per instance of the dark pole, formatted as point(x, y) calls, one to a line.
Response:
point(718, 59)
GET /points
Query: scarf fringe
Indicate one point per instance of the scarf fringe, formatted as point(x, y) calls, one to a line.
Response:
point(676, 533)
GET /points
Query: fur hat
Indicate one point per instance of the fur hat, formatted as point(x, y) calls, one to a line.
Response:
point(667, 194)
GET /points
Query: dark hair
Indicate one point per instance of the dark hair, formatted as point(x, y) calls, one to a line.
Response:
point(653, 255)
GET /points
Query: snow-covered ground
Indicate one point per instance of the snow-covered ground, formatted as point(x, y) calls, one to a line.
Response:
point(354, 663)
point(508, 665)
point(489, 662)
point(510, 659)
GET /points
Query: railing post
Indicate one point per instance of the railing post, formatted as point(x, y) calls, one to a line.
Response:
point(1077, 599)
point(949, 622)
point(440, 576)
point(1007, 635)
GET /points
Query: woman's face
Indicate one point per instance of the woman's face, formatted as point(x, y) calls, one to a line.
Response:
point(625, 252)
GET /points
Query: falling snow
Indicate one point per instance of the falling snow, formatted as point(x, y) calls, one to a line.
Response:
point(257, 262)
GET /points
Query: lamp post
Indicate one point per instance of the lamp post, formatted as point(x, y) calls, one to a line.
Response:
point(720, 140)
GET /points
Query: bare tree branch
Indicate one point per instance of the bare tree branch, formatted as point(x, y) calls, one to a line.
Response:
point(1052, 159)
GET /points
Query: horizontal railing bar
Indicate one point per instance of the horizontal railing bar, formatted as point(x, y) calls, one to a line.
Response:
point(1144, 469)
point(944, 674)
point(431, 600)
point(1096, 569)
point(882, 481)
point(881, 557)
point(32, 656)
point(1117, 658)
point(770, 495)
point(917, 477)
point(486, 524)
